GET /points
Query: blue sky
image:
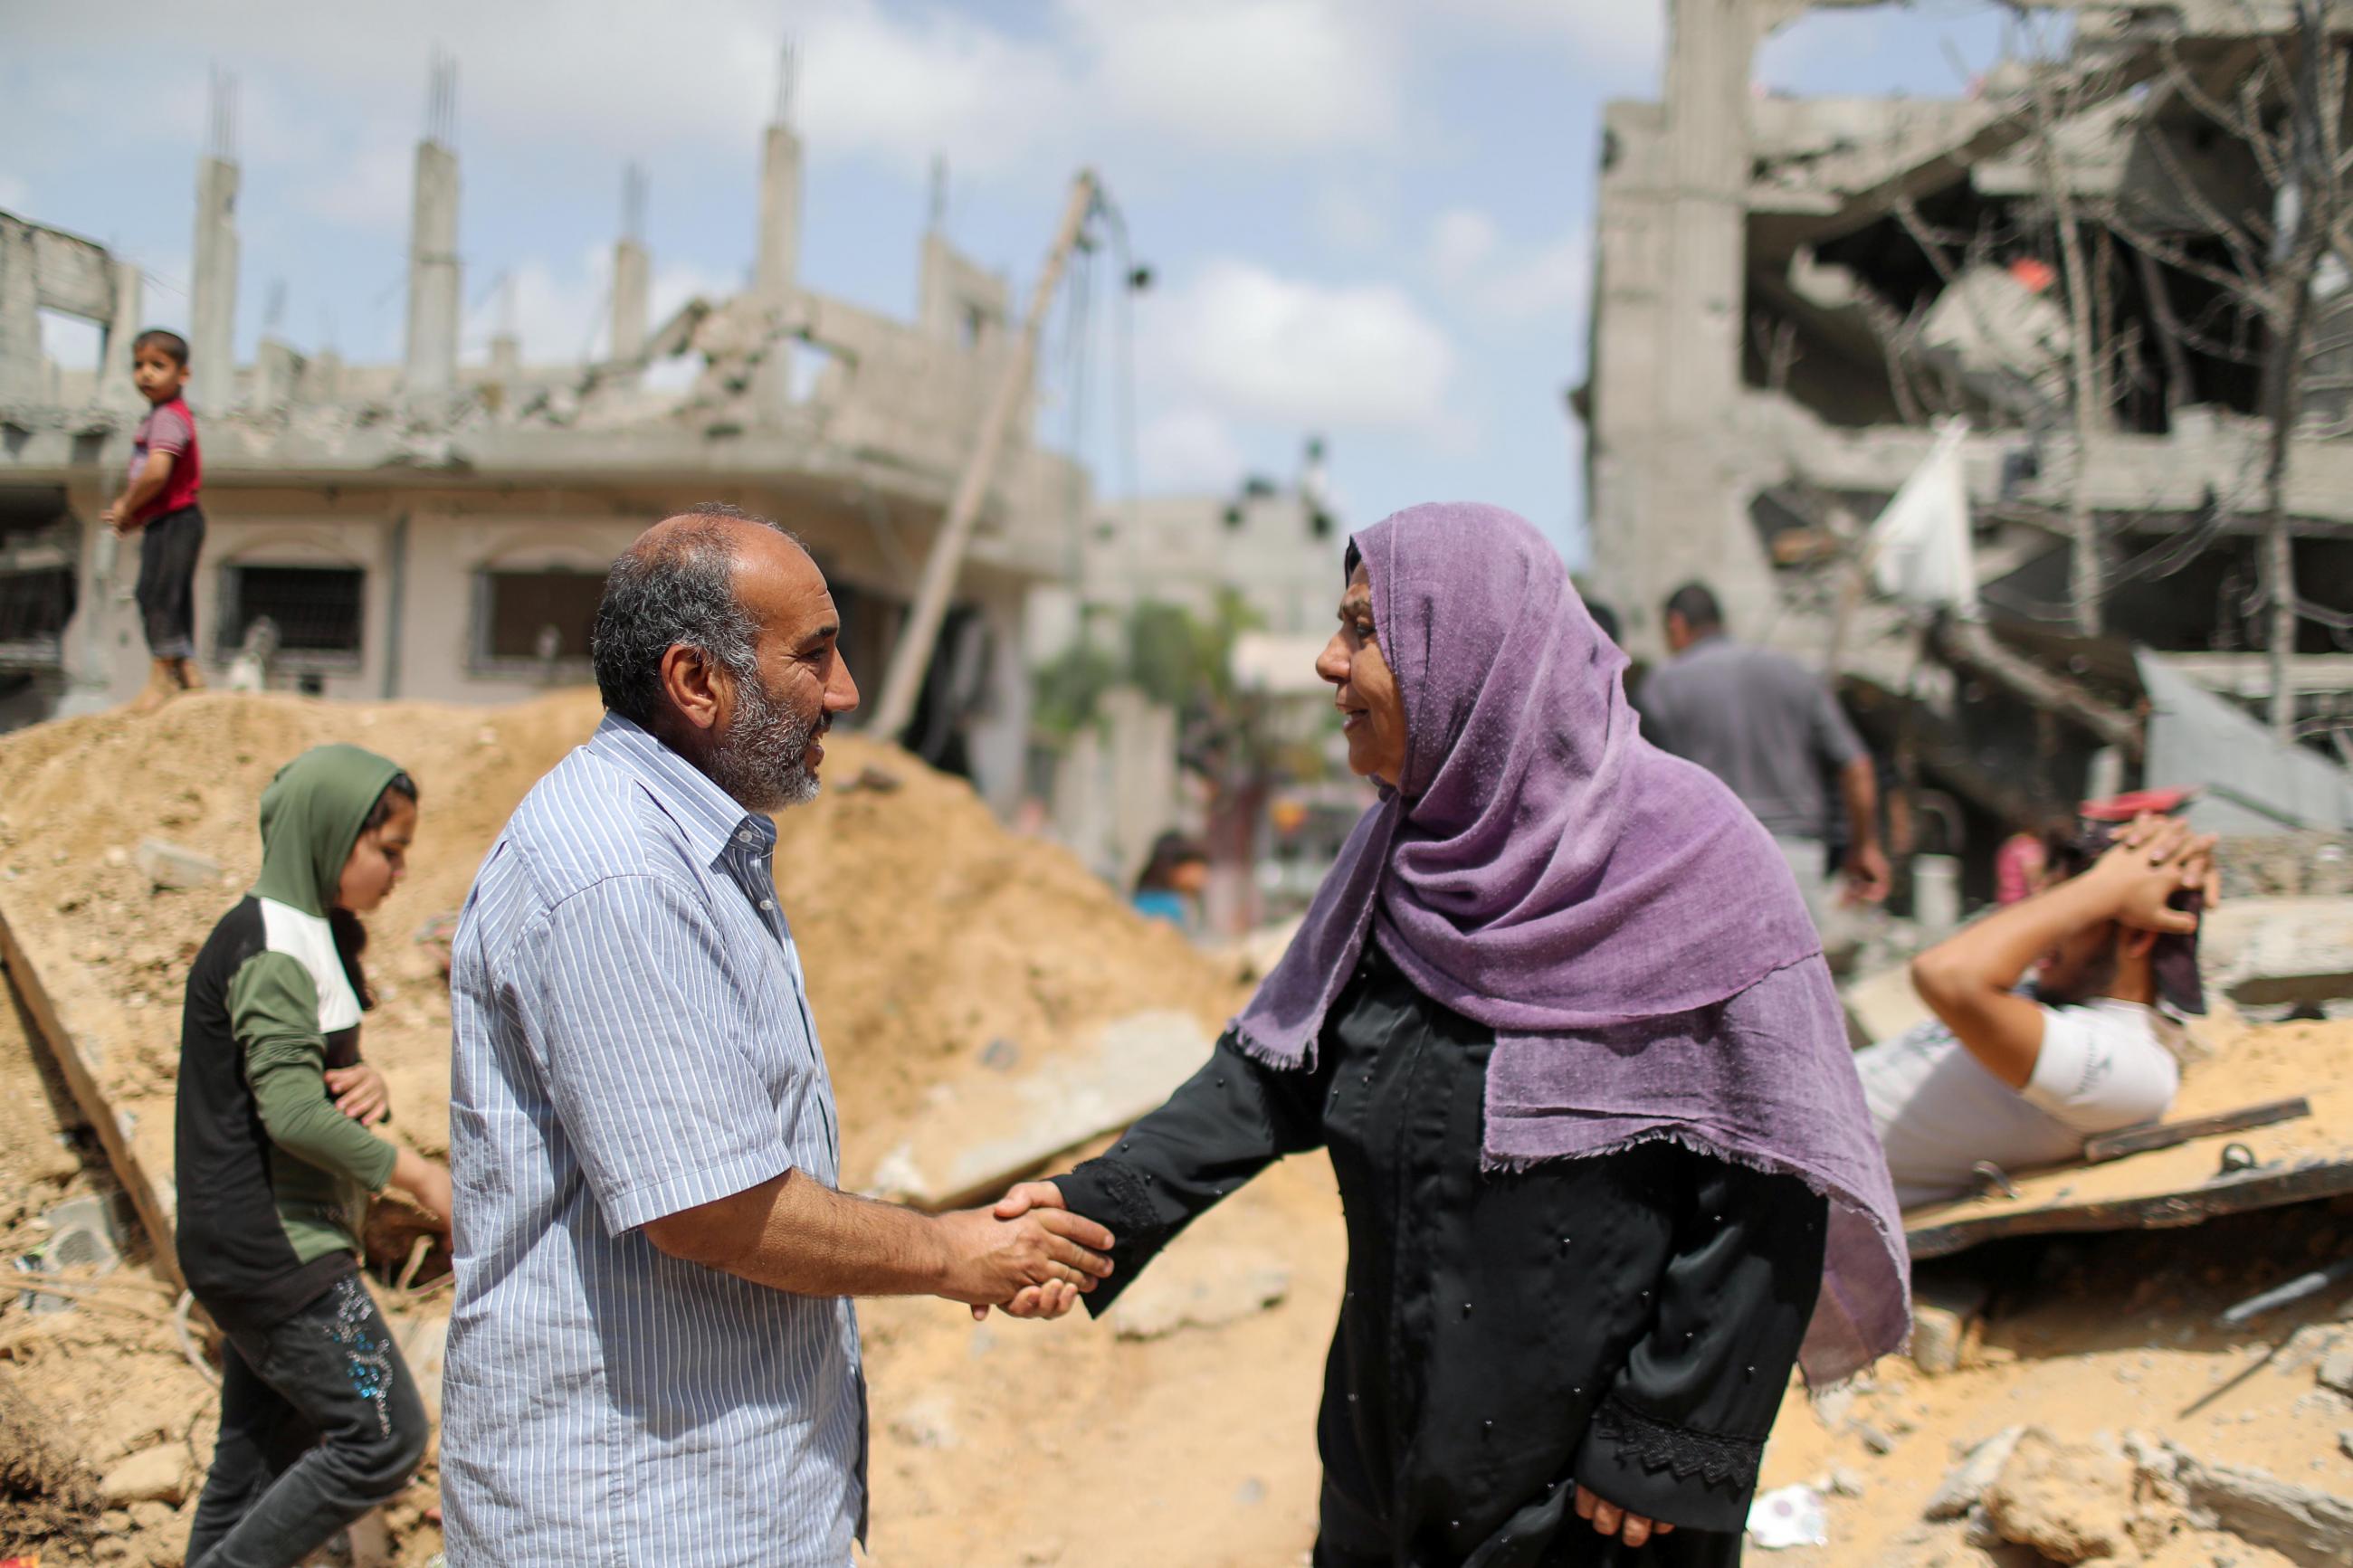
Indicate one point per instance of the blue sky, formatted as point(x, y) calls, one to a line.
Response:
point(1370, 218)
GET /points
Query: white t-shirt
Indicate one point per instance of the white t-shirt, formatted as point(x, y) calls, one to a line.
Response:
point(2103, 1065)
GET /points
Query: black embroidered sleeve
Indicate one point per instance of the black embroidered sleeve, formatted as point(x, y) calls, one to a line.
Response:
point(1714, 1458)
point(1679, 1434)
point(1226, 1123)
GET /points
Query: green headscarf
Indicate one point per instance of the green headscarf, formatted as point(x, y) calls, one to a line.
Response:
point(311, 817)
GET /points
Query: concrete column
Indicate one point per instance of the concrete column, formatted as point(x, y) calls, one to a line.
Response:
point(323, 378)
point(506, 359)
point(277, 373)
point(431, 364)
point(780, 215)
point(114, 388)
point(212, 305)
point(20, 316)
point(633, 299)
point(1668, 467)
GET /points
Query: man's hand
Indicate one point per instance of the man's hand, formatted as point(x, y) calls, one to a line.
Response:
point(994, 1261)
point(1868, 879)
point(1609, 1519)
point(1043, 1302)
point(360, 1092)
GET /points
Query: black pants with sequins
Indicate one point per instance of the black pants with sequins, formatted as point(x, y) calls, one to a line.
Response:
point(321, 1421)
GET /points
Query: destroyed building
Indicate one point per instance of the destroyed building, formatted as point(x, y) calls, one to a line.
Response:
point(1794, 296)
point(441, 530)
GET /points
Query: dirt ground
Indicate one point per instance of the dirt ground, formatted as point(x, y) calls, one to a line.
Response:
point(929, 934)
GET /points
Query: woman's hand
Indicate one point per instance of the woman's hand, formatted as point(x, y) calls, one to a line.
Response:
point(360, 1092)
point(1611, 1520)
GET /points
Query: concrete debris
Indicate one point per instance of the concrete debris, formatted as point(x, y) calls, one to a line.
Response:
point(2336, 1371)
point(1943, 1315)
point(167, 865)
point(928, 1423)
point(1844, 1482)
point(153, 1474)
point(2311, 1528)
point(1882, 1004)
point(2345, 1442)
point(1878, 1441)
point(1966, 1481)
point(976, 1143)
point(2070, 1501)
point(2264, 953)
point(1200, 1289)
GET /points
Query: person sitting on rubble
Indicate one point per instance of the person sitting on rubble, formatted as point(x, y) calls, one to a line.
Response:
point(2015, 1076)
point(1169, 887)
point(320, 1418)
point(1562, 1023)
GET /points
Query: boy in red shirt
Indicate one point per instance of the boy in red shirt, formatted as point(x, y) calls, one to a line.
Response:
point(160, 506)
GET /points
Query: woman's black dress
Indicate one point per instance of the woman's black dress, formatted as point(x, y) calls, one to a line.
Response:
point(1628, 1320)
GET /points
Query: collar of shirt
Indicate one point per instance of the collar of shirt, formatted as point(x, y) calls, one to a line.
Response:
point(714, 823)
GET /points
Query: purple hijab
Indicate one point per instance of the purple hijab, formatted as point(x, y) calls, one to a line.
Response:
point(1615, 914)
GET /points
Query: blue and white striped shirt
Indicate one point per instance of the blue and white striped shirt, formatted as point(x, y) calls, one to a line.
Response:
point(633, 1038)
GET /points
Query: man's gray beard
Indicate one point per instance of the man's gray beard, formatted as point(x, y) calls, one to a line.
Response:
point(763, 759)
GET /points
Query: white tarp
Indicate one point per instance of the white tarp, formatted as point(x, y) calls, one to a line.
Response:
point(1920, 550)
point(2253, 783)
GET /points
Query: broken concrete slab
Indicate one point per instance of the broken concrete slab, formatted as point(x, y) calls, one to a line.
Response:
point(2310, 1527)
point(2266, 953)
point(1882, 1004)
point(1966, 1482)
point(169, 865)
point(983, 1134)
point(153, 1474)
point(1200, 1288)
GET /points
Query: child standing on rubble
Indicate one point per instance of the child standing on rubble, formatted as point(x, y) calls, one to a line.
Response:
point(160, 506)
point(320, 1420)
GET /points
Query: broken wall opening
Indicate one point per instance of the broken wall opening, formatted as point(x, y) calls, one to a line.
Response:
point(39, 545)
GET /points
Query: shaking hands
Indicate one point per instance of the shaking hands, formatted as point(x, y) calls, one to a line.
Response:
point(1028, 1256)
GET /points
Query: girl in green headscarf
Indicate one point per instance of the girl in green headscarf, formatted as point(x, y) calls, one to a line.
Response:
point(320, 1418)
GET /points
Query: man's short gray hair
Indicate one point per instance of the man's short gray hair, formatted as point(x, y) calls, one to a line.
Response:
point(681, 591)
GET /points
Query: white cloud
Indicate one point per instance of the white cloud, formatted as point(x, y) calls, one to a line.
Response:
point(1507, 281)
point(1273, 78)
point(1617, 35)
point(1254, 344)
point(1190, 449)
point(369, 189)
point(1462, 238)
point(1349, 218)
point(1281, 75)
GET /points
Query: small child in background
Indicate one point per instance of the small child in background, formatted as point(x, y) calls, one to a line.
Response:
point(161, 507)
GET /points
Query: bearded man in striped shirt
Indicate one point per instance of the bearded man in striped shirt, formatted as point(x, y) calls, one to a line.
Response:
point(653, 1357)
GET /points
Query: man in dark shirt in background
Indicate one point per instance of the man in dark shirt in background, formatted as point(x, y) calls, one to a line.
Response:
point(1770, 729)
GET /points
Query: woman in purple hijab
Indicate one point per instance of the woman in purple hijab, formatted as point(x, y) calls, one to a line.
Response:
point(1561, 1022)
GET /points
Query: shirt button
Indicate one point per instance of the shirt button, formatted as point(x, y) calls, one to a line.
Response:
point(744, 835)
point(769, 904)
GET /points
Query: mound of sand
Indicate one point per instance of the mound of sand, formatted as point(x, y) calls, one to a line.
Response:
point(927, 930)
